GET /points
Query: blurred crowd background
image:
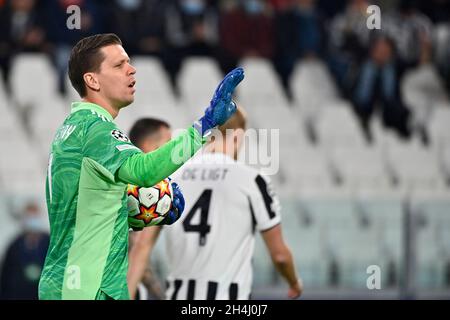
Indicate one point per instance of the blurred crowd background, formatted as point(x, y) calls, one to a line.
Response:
point(364, 121)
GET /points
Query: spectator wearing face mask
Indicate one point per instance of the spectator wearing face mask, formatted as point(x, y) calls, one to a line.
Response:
point(246, 30)
point(24, 258)
point(298, 35)
point(190, 28)
point(139, 24)
point(21, 31)
point(60, 38)
point(124, 22)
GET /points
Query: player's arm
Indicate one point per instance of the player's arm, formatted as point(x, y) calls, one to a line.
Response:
point(143, 243)
point(266, 210)
point(148, 169)
point(282, 259)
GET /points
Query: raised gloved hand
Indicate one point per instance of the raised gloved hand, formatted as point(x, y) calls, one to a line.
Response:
point(221, 107)
point(177, 206)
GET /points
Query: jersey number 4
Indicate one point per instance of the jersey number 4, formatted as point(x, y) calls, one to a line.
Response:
point(203, 228)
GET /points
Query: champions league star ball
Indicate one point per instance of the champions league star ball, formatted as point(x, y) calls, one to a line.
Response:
point(149, 206)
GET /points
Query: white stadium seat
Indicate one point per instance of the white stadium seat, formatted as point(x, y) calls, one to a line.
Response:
point(338, 125)
point(20, 168)
point(385, 210)
point(305, 168)
point(312, 84)
point(45, 119)
point(304, 236)
point(414, 166)
point(344, 240)
point(360, 167)
point(198, 80)
point(261, 88)
point(439, 126)
point(33, 79)
point(444, 158)
point(9, 120)
point(431, 213)
point(422, 91)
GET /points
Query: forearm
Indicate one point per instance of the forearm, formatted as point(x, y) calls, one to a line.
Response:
point(138, 263)
point(139, 257)
point(284, 264)
point(147, 169)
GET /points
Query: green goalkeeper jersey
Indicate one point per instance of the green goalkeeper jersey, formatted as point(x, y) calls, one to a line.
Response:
point(90, 163)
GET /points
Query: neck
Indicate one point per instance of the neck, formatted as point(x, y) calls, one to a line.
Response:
point(102, 103)
point(220, 148)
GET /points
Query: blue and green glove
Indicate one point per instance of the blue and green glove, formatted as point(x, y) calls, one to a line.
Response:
point(221, 107)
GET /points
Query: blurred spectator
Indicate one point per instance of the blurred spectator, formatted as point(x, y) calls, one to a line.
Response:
point(410, 31)
point(139, 24)
point(21, 30)
point(24, 259)
point(439, 13)
point(246, 30)
point(442, 52)
point(423, 89)
point(329, 9)
point(61, 38)
point(437, 10)
point(150, 27)
point(298, 33)
point(190, 30)
point(124, 22)
point(349, 40)
point(378, 82)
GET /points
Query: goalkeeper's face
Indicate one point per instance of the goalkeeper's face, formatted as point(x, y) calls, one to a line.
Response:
point(116, 77)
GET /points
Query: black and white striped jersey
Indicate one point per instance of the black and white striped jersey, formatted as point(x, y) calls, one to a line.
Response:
point(211, 246)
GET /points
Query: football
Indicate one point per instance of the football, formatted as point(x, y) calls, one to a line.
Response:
point(149, 206)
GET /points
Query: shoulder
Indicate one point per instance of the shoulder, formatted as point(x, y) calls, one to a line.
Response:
point(251, 178)
point(89, 118)
point(97, 123)
point(249, 172)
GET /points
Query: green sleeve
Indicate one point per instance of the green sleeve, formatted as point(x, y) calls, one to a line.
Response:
point(148, 169)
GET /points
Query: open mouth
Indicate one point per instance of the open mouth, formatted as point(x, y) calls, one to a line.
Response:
point(131, 85)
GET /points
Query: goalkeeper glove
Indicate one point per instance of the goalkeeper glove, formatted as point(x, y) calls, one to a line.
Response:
point(221, 107)
point(177, 206)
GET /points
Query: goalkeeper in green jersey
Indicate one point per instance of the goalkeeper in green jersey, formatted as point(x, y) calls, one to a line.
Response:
point(92, 161)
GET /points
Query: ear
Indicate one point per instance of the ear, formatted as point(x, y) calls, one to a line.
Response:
point(91, 81)
point(148, 145)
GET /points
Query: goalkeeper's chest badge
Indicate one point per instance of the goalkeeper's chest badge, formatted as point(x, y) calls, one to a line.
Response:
point(119, 135)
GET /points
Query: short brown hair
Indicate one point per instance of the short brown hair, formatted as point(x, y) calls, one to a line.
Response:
point(145, 127)
point(87, 57)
